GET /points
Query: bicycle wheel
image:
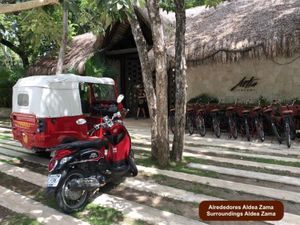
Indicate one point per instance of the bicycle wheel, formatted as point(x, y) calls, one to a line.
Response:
point(260, 128)
point(292, 128)
point(275, 131)
point(287, 132)
point(247, 130)
point(216, 126)
point(190, 124)
point(232, 128)
point(200, 125)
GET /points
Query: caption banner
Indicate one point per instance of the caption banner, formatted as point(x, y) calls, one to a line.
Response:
point(241, 210)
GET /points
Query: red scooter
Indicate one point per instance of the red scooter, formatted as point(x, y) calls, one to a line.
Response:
point(79, 168)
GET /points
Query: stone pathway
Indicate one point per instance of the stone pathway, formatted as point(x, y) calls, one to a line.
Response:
point(146, 213)
point(225, 153)
point(43, 214)
point(230, 185)
point(247, 174)
point(295, 170)
point(131, 209)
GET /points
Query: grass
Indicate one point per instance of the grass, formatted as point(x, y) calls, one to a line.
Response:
point(19, 219)
point(186, 185)
point(97, 215)
point(4, 137)
point(144, 159)
point(272, 161)
point(141, 222)
point(13, 161)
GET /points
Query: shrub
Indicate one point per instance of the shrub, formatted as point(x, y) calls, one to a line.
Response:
point(8, 77)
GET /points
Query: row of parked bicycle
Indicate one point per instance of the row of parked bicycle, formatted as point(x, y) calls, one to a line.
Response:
point(281, 120)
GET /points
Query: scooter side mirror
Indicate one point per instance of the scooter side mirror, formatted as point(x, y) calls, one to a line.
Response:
point(120, 98)
point(81, 121)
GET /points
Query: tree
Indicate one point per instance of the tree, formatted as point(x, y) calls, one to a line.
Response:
point(156, 93)
point(61, 55)
point(180, 80)
point(161, 86)
point(147, 78)
point(16, 7)
point(31, 33)
point(180, 72)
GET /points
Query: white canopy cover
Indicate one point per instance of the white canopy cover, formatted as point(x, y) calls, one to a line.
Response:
point(52, 96)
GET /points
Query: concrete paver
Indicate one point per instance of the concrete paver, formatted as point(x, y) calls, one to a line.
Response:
point(247, 174)
point(239, 162)
point(161, 190)
point(166, 191)
point(141, 212)
point(217, 148)
point(24, 174)
point(229, 185)
point(242, 154)
point(43, 214)
point(138, 211)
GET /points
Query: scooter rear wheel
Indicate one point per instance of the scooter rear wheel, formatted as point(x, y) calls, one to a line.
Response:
point(71, 201)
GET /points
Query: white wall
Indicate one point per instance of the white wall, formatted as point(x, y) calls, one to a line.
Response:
point(273, 81)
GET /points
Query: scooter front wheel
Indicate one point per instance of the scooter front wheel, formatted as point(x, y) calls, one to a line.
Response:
point(71, 200)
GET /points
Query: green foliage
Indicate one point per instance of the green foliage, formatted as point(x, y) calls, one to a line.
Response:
point(204, 99)
point(97, 66)
point(19, 219)
point(32, 32)
point(39, 29)
point(169, 5)
point(98, 15)
point(8, 77)
point(263, 101)
point(212, 3)
point(35, 32)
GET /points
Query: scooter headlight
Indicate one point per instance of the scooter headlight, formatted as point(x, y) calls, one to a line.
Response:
point(64, 160)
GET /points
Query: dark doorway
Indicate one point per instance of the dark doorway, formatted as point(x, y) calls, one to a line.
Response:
point(131, 78)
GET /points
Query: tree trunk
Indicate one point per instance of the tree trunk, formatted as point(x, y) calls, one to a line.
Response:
point(161, 82)
point(61, 56)
point(180, 79)
point(147, 79)
point(9, 8)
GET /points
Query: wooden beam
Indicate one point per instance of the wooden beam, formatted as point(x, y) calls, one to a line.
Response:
point(9, 8)
point(121, 51)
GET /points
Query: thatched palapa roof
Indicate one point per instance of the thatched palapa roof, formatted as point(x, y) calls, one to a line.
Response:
point(239, 29)
point(233, 30)
point(81, 48)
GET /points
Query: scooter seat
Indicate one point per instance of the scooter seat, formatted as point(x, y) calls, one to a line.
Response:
point(229, 108)
point(245, 111)
point(256, 108)
point(215, 110)
point(78, 145)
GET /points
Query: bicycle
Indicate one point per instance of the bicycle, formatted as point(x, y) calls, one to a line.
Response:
point(280, 119)
point(232, 121)
point(256, 115)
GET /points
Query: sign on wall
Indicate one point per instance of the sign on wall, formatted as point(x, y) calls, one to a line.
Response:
point(246, 84)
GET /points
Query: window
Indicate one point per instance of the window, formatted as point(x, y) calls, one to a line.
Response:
point(23, 99)
point(104, 92)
